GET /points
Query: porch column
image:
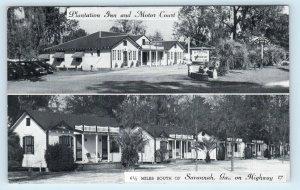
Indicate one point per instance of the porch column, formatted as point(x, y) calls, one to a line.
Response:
point(186, 147)
point(150, 57)
point(82, 148)
point(175, 149)
point(180, 149)
point(96, 157)
point(74, 147)
point(108, 148)
point(156, 58)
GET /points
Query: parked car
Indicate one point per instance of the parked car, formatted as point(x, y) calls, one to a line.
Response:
point(33, 69)
point(15, 71)
point(49, 68)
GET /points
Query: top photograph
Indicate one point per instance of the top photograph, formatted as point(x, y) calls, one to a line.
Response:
point(148, 49)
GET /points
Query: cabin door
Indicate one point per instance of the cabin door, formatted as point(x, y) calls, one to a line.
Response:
point(104, 148)
point(125, 60)
point(78, 148)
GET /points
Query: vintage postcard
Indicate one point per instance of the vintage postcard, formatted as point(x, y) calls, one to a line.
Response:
point(164, 49)
point(165, 94)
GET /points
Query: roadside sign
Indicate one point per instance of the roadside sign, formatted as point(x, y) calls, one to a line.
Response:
point(200, 55)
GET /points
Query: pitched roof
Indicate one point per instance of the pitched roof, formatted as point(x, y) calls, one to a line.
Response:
point(49, 120)
point(98, 40)
point(169, 44)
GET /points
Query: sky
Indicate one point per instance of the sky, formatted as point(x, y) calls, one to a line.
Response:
point(165, 27)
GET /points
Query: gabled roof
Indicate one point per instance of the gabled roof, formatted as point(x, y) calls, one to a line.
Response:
point(49, 120)
point(98, 40)
point(169, 44)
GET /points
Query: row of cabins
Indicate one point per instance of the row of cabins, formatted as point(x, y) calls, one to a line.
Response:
point(93, 139)
point(108, 50)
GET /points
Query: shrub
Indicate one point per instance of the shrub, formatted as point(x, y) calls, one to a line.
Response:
point(160, 155)
point(138, 63)
point(116, 65)
point(129, 158)
point(207, 158)
point(59, 158)
point(248, 153)
point(267, 154)
point(15, 151)
point(132, 64)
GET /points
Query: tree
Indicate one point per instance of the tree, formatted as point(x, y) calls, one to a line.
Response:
point(206, 145)
point(157, 36)
point(129, 27)
point(31, 29)
point(15, 151)
point(131, 141)
point(74, 34)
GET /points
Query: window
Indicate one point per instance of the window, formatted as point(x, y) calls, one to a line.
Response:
point(78, 59)
point(189, 146)
point(98, 53)
point(175, 46)
point(60, 59)
point(28, 145)
point(171, 55)
point(235, 147)
point(114, 146)
point(124, 43)
point(143, 42)
point(134, 55)
point(168, 54)
point(177, 144)
point(119, 54)
point(129, 55)
point(66, 140)
point(259, 148)
point(28, 121)
point(114, 55)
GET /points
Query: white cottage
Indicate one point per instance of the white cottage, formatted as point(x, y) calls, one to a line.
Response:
point(112, 50)
point(93, 138)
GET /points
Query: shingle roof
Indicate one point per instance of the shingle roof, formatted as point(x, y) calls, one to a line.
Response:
point(48, 120)
point(156, 131)
point(98, 40)
point(169, 44)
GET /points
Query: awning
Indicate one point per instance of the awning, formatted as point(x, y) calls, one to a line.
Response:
point(44, 56)
point(78, 55)
point(59, 55)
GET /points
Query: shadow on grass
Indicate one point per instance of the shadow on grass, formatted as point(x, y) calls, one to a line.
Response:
point(180, 87)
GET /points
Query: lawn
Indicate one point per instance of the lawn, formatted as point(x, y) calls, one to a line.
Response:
point(242, 167)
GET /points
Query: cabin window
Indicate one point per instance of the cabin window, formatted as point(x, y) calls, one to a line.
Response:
point(114, 146)
point(259, 148)
point(175, 46)
point(124, 43)
point(235, 147)
point(60, 59)
point(66, 140)
point(78, 59)
point(171, 55)
point(28, 121)
point(98, 53)
point(177, 144)
point(189, 146)
point(114, 54)
point(144, 42)
point(129, 55)
point(28, 145)
point(168, 54)
point(119, 54)
point(134, 55)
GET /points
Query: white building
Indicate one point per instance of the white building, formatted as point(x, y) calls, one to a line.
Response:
point(93, 138)
point(112, 50)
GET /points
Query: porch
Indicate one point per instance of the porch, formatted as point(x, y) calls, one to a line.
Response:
point(152, 55)
point(96, 145)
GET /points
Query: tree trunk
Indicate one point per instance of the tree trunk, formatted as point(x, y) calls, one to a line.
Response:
point(232, 158)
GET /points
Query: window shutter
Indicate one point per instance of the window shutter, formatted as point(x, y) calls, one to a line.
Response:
point(24, 145)
point(32, 144)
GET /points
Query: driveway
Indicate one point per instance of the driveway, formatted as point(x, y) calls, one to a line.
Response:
point(162, 79)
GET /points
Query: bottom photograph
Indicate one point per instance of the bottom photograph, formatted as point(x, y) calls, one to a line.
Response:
point(148, 138)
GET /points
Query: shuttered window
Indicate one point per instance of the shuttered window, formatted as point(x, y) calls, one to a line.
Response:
point(27, 121)
point(28, 145)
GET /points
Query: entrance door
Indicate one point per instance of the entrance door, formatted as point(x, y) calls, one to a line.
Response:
point(183, 149)
point(125, 61)
point(104, 148)
point(78, 148)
